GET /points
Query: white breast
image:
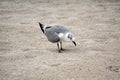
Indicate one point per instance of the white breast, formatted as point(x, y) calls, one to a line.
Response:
point(64, 37)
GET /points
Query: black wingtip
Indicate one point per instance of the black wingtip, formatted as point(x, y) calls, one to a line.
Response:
point(41, 27)
point(40, 24)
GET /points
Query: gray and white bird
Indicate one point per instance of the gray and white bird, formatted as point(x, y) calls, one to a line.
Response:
point(57, 34)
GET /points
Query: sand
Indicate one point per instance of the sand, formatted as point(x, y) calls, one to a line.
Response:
point(26, 54)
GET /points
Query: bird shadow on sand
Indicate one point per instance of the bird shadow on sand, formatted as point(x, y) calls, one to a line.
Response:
point(63, 51)
point(56, 50)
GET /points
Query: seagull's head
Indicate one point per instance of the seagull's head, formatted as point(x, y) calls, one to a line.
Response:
point(72, 38)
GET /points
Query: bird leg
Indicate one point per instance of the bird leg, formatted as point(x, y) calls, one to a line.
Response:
point(58, 47)
point(61, 46)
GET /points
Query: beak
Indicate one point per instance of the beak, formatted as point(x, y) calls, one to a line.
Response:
point(74, 43)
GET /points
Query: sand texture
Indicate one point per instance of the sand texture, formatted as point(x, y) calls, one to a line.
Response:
point(26, 54)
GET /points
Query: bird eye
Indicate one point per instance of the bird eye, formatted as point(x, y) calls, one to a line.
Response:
point(70, 36)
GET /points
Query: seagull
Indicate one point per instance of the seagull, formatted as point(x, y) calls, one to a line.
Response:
point(57, 34)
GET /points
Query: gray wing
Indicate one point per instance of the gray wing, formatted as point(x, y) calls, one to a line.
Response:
point(51, 33)
point(60, 29)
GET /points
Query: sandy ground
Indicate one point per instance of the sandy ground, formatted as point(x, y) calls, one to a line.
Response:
point(25, 53)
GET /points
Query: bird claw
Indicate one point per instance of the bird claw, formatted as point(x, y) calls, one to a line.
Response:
point(59, 51)
point(62, 49)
